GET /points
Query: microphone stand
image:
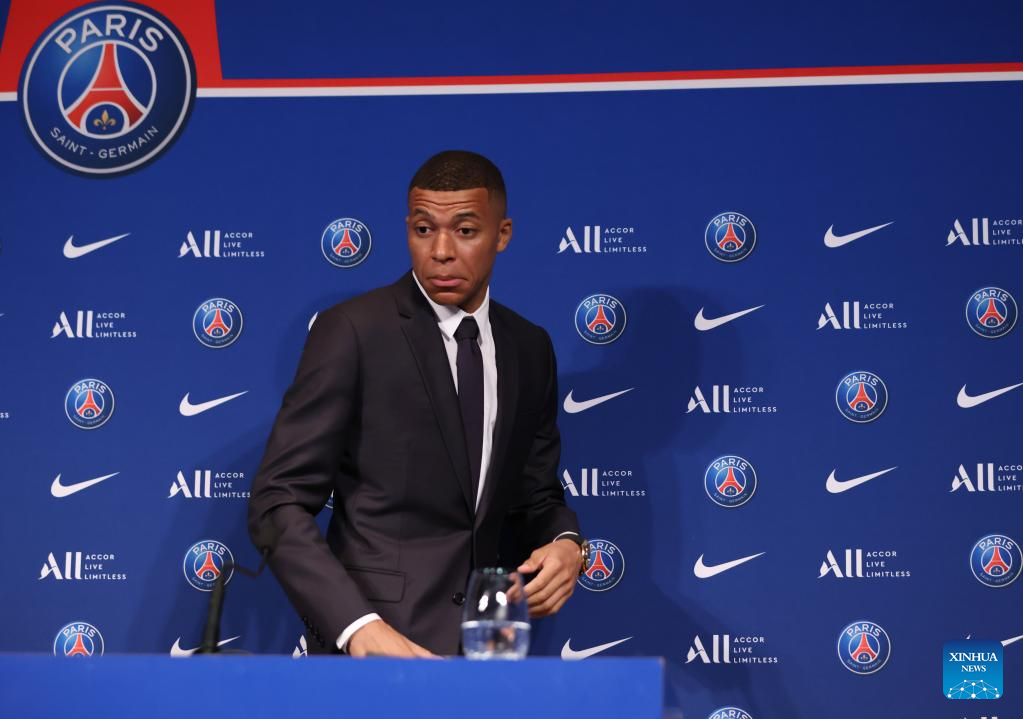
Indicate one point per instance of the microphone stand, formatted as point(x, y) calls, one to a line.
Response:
point(211, 631)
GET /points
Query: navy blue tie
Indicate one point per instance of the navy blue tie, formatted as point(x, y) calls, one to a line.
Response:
point(470, 395)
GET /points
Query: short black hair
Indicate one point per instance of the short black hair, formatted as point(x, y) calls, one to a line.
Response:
point(460, 170)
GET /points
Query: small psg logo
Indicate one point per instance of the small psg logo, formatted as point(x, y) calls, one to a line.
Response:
point(730, 713)
point(107, 88)
point(730, 481)
point(606, 566)
point(78, 639)
point(89, 403)
point(730, 237)
point(864, 647)
point(217, 323)
point(861, 397)
point(205, 561)
point(991, 312)
point(346, 242)
point(600, 319)
point(996, 560)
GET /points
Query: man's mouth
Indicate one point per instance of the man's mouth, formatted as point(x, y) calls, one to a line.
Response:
point(445, 282)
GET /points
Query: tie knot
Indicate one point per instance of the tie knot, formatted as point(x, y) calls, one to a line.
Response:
point(467, 330)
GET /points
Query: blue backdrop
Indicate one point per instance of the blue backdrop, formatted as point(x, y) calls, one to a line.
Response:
point(652, 168)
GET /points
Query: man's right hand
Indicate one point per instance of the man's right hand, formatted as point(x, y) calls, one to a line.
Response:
point(379, 639)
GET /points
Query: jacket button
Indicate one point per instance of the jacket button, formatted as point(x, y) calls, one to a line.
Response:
point(458, 598)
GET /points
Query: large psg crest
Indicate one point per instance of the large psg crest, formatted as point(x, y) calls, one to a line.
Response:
point(107, 88)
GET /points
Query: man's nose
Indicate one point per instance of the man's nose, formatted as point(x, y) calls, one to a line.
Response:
point(443, 248)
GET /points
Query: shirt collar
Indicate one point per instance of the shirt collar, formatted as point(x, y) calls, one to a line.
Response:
point(450, 316)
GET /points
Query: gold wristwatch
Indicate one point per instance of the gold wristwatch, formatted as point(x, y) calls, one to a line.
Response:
point(584, 550)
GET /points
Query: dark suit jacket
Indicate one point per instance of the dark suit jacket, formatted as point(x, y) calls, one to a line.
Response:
point(373, 416)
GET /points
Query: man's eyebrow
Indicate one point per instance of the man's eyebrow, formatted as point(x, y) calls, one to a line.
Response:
point(421, 211)
point(466, 214)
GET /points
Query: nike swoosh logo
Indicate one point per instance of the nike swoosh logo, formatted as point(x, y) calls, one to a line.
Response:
point(573, 407)
point(177, 651)
point(833, 240)
point(702, 571)
point(703, 324)
point(965, 401)
point(190, 410)
point(66, 490)
point(836, 486)
point(1006, 642)
point(569, 654)
point(71, 250)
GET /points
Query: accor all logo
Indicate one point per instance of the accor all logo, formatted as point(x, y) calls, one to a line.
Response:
point(857, 315)
point(862, 564)
point(84, 566)
point(91, 324)
point(988, 477)
point(726, 649)
point(590, 243)
point(983, 231)
point(592, 482)
point(597, 239)
point(725, 399)
point(207, 484)
point(979, 234)
point(218, 244)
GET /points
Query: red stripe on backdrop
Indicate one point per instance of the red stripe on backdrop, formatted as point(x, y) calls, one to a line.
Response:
point(868, 70)
point(197, 21)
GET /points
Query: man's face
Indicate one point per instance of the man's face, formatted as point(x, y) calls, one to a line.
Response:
point(453, 238)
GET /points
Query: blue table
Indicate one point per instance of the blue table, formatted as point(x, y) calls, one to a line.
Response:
point(277, 686)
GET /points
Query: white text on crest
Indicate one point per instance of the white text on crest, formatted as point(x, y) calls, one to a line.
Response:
point(116, 25)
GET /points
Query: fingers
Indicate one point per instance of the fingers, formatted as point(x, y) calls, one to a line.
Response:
point(542, 586)
point(551, 584)
point(516, 592)
point(535, 561)
point(554, 574)
point(552, 604)
point(554, 584)
point(420, 652)
point(378, 639)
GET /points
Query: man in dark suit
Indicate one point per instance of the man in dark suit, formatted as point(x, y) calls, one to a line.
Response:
point(430, 411)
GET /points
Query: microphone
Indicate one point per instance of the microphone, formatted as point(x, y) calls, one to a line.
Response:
point(266, 539)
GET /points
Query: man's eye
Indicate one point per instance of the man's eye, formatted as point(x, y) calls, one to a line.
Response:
point(421, 230)
point(467, 231)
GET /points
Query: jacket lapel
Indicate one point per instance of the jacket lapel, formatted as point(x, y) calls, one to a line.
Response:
point(507, 404)
point(427, 345)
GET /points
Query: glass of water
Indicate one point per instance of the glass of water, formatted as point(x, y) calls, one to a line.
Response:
point(495, 618)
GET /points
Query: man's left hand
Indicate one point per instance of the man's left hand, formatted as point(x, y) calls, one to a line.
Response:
point(558, 565)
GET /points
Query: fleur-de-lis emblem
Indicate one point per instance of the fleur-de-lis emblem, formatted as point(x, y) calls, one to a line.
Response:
point(104, 121)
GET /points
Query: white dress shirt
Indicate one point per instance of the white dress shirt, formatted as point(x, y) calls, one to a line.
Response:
point(448, 319)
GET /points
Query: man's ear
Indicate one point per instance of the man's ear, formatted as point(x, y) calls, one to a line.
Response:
point(504, 234)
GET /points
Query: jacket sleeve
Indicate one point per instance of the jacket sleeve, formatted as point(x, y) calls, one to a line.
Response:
point(296, 475)
point(541, 513)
